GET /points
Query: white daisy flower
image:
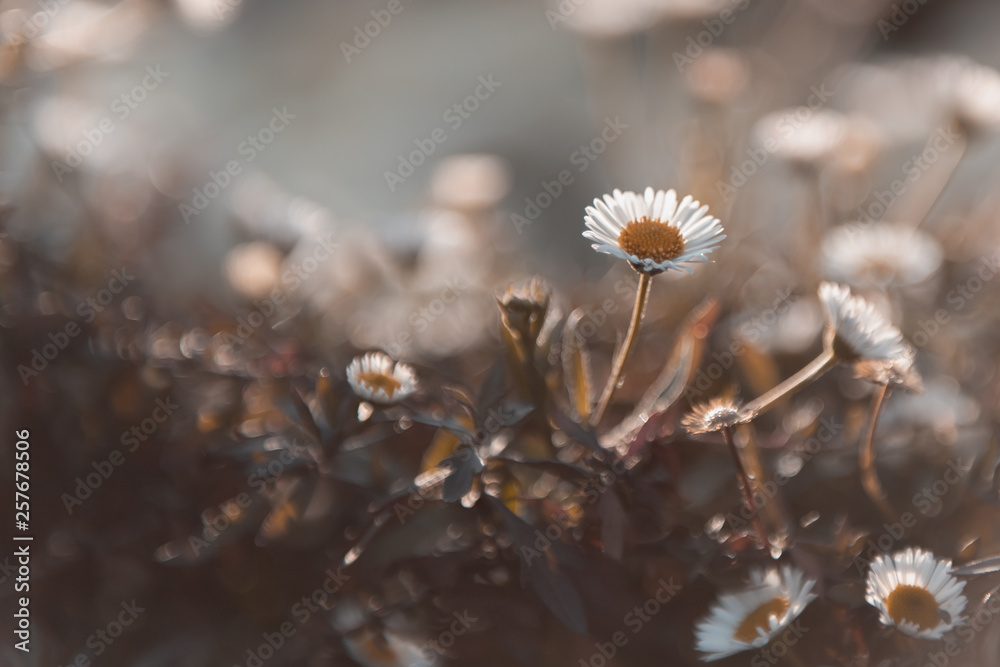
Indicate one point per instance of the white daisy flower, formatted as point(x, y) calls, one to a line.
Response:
point(377, 377)
point(856, 330)
point(880, 255)
point(751, 618)
point(915, 593)
point(652, 231)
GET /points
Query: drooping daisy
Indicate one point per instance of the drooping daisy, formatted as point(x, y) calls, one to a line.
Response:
point(652, 231)
point(713, 416)
point(752, 617)
point(880, 255)
point(855, 330)
point(377, 377)
point(915, 593)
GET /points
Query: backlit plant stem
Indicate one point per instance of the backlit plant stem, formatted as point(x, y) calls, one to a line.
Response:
point(641, 297)
point(747, 489)
point(866, 458)
point(812, 370)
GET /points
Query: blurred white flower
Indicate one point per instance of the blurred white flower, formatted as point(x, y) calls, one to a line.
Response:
point(606, 18)
point(209, 14)
point(969, 91)
point(802, 135)
point(83, 30)
point(718, 76)
point(253, 269)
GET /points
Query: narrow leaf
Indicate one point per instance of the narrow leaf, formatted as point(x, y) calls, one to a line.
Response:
point(577, 367)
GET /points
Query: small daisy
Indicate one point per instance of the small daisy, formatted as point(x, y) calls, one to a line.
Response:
point(377, 377)
point(915, 593)
point(751, 618)
point(855, 330)
point(652, 231)
point(880, 255)
point(713, 416)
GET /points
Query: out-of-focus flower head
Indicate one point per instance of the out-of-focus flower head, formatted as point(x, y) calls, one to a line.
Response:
point(470, 182)
point(719, 76)
point(880, 255)
point(802, 135)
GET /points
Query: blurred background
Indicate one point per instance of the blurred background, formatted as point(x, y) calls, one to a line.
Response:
point(215, 204)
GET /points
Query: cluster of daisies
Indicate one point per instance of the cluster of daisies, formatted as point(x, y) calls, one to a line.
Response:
point(654, 232)
point(912, 590)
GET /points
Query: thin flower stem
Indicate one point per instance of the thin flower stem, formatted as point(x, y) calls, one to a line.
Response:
point(866, 459)
point(772, 512)
point(746, 489)
point(821, 364)
point(963, 147)
point(641, 297)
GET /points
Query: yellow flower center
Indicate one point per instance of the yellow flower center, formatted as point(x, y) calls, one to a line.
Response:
point(915, 605)
point(376, 381)
point(651, 239)
point(760, 619)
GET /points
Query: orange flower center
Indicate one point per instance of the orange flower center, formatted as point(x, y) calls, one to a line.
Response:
point(760, 619)
point(651, 239)
point(376, 381)
point(915, 605)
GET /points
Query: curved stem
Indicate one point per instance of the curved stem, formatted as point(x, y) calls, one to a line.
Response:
point(815, 368)
point(641, 296)
point(949, 176)
point(866, 458)
point(747, 490)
